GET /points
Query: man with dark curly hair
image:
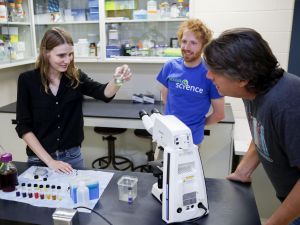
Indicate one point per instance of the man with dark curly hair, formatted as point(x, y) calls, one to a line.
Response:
point(241, 64)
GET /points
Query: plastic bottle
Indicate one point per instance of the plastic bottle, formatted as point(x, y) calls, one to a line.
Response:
point(8, 173)
point(82, 193)
point(152, 9)
point(83, 47)
point(180, 8)
point(3, 12)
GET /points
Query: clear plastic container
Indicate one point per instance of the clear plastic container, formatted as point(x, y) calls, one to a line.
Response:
point(8, 173)
point(127, 186)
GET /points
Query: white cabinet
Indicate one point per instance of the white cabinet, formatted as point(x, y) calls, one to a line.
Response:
point(80, 18)
point(143, 30)
point(17, 42)
point(121, 30)
point(216, 150)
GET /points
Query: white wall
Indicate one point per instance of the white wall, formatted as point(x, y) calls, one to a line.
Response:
point(272, 18)
point(8, 84)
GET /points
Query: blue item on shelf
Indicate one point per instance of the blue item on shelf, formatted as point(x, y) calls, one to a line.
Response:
point(112, 51)
point(93, 3)
point(93, 16)
point(78, 14)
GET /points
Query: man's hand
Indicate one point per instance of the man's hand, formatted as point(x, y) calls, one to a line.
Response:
point(235, 176)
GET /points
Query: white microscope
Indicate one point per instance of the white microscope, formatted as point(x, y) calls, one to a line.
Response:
point(183, 194)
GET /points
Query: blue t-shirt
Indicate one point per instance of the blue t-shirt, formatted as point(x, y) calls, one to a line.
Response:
point(189, 94)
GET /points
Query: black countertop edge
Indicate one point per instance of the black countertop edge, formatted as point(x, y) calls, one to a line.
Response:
point(229, 119)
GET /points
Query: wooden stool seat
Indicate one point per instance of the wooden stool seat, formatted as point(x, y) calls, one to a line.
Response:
point(116, 161)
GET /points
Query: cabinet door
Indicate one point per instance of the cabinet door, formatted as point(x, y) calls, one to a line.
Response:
point(16, 32)
point(141, 28)
point(216, 150)
point(79, 18)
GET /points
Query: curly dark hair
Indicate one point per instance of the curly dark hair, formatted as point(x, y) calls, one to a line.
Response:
point(242, 54)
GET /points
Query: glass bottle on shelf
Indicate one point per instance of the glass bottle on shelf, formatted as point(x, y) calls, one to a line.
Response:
point(12, 51)
point(174, 11)
point(164, 8)
point(180, 7)
point(11, 9)
point(93, 49)
point(20, 15)
point(113, 35)
point(3, 52)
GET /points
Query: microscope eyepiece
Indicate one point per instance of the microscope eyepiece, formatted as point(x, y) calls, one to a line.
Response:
point(155, 111)
point(142, 113)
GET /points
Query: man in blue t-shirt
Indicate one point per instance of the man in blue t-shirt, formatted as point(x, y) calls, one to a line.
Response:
point(186, 91)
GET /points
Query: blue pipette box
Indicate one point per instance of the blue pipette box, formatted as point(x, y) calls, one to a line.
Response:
point(92, 185)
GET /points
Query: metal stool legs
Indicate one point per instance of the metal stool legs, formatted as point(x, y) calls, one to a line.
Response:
point(117, 162)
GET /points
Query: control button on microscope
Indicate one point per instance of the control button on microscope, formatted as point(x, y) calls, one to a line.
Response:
point(179, 210)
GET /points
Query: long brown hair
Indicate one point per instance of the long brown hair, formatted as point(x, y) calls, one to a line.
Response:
point(52, 38)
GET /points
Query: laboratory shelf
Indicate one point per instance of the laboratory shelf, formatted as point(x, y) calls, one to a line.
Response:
point(144, 20)
point(68, 23)
point(17, 63)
